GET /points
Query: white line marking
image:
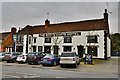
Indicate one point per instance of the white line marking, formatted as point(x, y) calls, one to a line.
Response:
point(59, 77)
point(11, 76)
point(31, 76)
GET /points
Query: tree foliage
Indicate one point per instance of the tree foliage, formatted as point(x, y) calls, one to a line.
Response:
point(115, 41)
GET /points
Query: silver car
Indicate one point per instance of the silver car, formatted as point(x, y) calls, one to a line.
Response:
point(2, 54)
point(70, 58)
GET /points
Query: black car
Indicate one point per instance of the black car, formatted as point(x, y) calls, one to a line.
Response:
point(34, 57)
point(11, 56)
point(115, 53)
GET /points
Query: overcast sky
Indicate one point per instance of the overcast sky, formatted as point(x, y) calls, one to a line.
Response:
point(20, 14)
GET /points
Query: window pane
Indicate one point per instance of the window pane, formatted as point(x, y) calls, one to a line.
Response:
point(47, 40)
point(67, 48)
point(34, 40)
point(92, 39)
point(92, 50)
point(39, 48)
point(67, 40)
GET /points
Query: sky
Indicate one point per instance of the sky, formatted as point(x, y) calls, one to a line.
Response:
point(20, 14)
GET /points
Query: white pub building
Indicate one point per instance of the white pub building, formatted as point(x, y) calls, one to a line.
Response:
point(82, 37)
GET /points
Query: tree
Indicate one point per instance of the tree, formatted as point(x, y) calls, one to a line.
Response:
point(115, 41)
point(56, 41)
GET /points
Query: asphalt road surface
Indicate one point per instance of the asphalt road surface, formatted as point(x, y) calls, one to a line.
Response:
point(9, 71)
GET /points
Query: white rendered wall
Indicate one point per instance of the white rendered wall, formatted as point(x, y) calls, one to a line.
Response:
point(76, 40)
point(108, 47)
point(24, 43)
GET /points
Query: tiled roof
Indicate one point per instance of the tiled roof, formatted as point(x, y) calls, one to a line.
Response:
point(96, 24)
point(4, 35)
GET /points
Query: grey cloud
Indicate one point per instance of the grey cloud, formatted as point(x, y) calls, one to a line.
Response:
point(20, 14)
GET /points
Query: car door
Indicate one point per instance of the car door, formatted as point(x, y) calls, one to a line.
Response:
point(78, 59)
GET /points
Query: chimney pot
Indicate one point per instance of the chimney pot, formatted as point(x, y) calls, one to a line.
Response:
point(47, 22)
point(106, 15)
point(13, 30)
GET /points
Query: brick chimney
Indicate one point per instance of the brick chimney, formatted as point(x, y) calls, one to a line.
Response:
point(13, 30)
point(47, 22)
point(106, 15)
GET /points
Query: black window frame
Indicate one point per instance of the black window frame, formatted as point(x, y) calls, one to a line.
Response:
point(92, 39)
point(67, 39)
point(92, 50)
point(34, 40)
point(66, 50)
point(46, 40)
point(29, 39)
point(40, 48)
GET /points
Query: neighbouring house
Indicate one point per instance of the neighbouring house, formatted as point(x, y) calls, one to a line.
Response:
point(7, 41)
point(83, 37)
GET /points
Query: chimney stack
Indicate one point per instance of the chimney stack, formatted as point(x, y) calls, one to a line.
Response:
point(13, 30)
point(106, 15)
point(47, 22)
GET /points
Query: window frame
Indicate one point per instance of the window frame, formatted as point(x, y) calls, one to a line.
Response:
point(66, 38)
point(45, 41)
point(35, 40)
point(95, 40)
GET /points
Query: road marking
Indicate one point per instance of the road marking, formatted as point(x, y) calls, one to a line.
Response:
point(11, 76)
point(59, 77)
point(19, 73)
point(24, 73)
point(31, 76)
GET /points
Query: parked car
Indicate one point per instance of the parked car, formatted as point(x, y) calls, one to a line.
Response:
point(50, 59)
point(11, 56)
point(34, 57)
point(22, 58)
point(69, 58)
point(2, 54)
point(115, 53)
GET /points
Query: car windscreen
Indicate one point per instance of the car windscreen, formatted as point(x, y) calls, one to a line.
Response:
point(15, 53)
point(7, 54)
point(67, 54)
point(31, 53)
point(34, 53)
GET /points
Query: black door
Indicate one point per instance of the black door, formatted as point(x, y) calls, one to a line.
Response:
point(34, 48)
point(56, 50)
point(80, 51)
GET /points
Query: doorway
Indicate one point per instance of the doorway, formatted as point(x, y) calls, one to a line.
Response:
point(80, 50)
point(55, 50)
point(34, 48)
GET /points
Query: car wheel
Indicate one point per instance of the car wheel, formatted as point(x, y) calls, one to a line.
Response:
point(8, 61)
point(38, 62)
point(75, 65)
point(19, 62)
point(29, 62)
point(13, 60)
point(61, 65)
point(78, 63)
point(43, 64)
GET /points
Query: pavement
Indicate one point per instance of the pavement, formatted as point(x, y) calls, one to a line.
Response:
point(109, 66)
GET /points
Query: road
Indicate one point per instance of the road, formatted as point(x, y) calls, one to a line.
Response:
point(9, 71)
